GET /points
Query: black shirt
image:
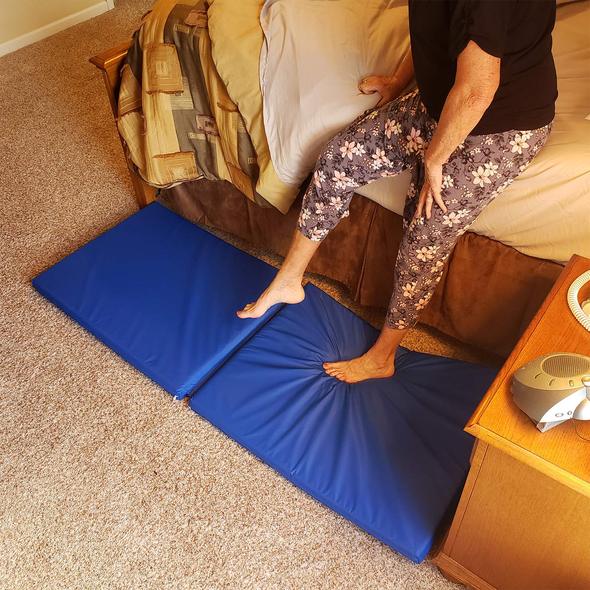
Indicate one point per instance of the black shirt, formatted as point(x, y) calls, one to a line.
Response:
point(517, 31)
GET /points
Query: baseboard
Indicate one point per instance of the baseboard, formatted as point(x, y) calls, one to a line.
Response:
point(55, 26)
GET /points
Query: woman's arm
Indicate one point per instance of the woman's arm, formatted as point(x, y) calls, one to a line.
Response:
point(476, 81)
point(390, 87)
point(404, 73)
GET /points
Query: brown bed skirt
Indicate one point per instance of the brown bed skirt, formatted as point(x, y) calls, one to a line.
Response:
point(486, 298)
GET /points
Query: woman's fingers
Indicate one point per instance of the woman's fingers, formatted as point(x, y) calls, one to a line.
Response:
point(378, 84)
point(428, 206)
point(440, 202)
point(367, 87)
point(425, 201)
point(437, 196)
point(372, 84)
point(432, 198)
point(434, 176)
point(421, 201)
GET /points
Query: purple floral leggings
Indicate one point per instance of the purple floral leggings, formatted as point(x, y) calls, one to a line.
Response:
point(385, 142)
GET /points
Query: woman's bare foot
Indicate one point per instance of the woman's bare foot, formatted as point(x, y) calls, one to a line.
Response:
point(366, 366)
point(377, 363)
point(281, 290)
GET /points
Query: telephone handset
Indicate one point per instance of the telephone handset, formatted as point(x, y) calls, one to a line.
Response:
point(581, 312)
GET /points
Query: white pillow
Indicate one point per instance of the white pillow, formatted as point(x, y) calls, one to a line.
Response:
point(315, 54)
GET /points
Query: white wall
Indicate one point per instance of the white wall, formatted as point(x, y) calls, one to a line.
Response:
point(25, 21)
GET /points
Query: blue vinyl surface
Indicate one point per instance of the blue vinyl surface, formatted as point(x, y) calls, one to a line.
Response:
point(162, 293)
point(389, 454)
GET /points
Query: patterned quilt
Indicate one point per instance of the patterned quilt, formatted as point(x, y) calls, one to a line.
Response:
point(174, 112)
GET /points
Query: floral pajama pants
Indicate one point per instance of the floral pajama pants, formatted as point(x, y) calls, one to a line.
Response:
point(385, 142)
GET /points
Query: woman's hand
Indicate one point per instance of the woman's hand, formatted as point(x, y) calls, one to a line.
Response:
point(386, 86)
point(431, 190)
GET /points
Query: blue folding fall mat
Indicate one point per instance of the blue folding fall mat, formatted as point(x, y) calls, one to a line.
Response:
point(162, 293)
point(389, 454)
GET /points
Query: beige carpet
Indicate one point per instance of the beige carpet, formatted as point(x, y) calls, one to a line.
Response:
point(105, 481)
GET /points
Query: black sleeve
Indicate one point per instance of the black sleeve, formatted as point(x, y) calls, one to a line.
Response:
point(483, 21)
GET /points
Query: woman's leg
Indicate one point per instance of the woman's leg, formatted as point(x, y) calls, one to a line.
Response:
point(380, 143)
point(476, 173)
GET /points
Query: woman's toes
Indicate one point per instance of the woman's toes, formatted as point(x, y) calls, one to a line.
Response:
point(333, 369)
point(246, 311)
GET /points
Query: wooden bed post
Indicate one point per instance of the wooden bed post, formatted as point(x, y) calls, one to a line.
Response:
point(109, 63)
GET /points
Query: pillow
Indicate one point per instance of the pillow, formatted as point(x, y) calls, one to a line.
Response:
point(315, 54)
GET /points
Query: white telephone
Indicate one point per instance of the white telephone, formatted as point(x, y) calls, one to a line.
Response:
point(581, 311)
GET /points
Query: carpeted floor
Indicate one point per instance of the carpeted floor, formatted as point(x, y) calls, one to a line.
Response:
point(105, 481)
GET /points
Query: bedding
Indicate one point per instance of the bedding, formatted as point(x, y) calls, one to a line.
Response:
point(164, 112)
point(236, 39)
point(314, 55)
point(174, 113)
point(191, 106)
point(545, 213)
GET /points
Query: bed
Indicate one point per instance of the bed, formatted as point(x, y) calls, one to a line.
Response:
point(499, 272)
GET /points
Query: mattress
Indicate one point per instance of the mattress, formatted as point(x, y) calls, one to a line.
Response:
point(545, 213)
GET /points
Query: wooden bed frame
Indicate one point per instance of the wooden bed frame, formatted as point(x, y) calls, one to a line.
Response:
point(470, 303)
point(109, 63)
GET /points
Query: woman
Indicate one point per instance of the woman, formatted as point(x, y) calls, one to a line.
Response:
point(482, 110)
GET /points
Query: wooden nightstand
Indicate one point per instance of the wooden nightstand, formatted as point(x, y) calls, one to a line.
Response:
point(523, 521)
